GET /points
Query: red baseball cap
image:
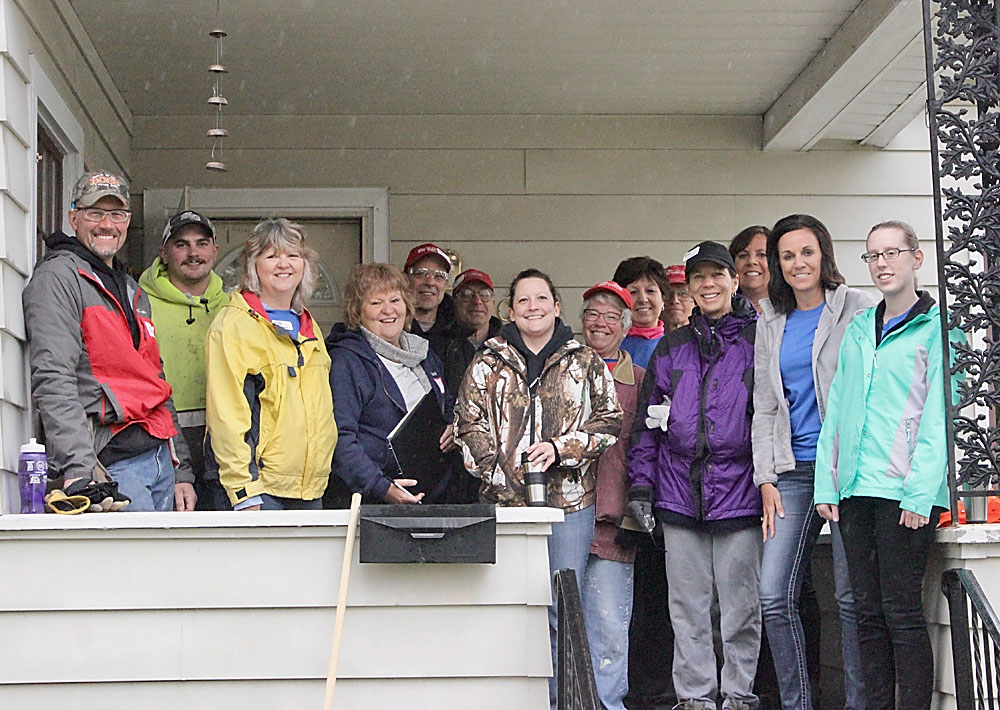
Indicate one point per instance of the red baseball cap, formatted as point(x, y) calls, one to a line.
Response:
point(610, 287)
point(676, 274)
point(428, 249)
point(472, 275)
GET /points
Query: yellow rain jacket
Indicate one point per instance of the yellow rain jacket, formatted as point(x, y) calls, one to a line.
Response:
point(269, 408)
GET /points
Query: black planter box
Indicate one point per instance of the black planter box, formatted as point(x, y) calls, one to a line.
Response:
point(463, 534)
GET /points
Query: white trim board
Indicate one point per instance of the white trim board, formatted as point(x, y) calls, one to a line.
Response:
point(371, 204)
point(52, 110)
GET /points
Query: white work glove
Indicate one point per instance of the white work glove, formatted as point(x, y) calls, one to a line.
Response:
point(657, 414)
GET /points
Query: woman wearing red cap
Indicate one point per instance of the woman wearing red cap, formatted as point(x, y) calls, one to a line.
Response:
point(607, 583)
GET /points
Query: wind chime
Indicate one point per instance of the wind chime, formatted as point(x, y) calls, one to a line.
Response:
point(217, 99)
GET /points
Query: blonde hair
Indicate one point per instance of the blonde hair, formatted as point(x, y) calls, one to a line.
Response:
point(365, 279)
point(283, 236)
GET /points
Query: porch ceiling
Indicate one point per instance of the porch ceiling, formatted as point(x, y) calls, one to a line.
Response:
point(801, 65)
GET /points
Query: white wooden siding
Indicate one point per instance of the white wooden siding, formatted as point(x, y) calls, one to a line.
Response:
point(16, 188)
point(572, 195)
point(45, 57)
point(244, 604)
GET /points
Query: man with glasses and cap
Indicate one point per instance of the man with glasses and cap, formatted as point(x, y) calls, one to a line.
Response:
point(96, 377)
point(185, 294)
point(475, 306)
point(427, 267)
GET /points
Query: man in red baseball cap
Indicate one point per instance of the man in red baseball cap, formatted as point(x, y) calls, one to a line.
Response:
point(427, 267)
point(677, 303)
point(475, 304)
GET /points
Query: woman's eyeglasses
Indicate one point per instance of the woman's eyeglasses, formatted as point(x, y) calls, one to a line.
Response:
point(870, 257)
point(592, 316)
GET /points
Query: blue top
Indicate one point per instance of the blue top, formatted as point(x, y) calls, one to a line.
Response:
point(641, 349)
point(284, 319)
point(795, 361)
point(893, 322)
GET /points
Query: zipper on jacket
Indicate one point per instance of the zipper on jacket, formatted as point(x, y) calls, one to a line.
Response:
point(703, 434)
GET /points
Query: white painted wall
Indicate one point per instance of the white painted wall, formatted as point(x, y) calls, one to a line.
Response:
point(48, 68)
point(237, 610)
point(571, 195)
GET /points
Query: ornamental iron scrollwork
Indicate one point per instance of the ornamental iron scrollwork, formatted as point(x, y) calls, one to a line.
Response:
point(960, 46)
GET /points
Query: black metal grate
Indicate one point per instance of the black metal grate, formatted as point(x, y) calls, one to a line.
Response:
point(960, 45)
point(574, 672)
point(975, 641)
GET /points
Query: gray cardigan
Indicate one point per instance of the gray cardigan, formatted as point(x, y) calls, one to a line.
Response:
point(771, 431)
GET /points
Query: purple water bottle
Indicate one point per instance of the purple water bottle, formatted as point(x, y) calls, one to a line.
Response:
point(32, 477)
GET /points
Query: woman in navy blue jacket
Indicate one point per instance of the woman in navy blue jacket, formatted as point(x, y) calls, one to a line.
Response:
point(379, 372)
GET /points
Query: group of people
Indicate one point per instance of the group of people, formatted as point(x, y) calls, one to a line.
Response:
point(716, 414)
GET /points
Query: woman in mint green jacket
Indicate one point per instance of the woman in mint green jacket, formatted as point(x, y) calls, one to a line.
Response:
point(881, 465)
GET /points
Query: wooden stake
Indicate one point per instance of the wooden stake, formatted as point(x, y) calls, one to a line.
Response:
point(345, 580)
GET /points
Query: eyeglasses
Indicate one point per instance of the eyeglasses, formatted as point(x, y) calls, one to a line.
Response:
point(592, 316)
point(680, 295)
point(870, 257)
point(96, 214)
point(467, 294)
point(423, 273)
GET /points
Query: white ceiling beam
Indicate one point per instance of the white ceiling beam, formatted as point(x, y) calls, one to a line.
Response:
point(871, 38)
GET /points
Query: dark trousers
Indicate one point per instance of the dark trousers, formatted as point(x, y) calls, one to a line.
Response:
point(887, 562)
point(211, 494)
point(650, 635)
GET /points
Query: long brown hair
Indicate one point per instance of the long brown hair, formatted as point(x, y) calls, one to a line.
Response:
point(781, 294)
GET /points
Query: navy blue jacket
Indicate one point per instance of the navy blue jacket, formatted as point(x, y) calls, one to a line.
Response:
point(367, 404)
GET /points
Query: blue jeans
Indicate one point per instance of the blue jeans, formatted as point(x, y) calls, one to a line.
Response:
point(607, 610)
point(270, 502)
point(782, 568)
point(569, 548)
point(148, 479)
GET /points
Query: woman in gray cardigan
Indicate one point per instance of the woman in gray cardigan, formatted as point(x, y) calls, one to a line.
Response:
point(797, 346)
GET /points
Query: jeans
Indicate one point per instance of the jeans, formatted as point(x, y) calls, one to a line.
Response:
point(569, 548)
point(148, 479)
point(699, 564)
point(270, 502)
point(607, 609)
point(785, 561)
point(887, 562)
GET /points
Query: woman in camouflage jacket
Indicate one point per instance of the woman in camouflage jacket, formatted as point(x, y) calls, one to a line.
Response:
point(534, 389)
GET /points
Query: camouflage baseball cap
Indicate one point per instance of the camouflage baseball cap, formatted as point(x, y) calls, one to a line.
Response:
point(93, 186)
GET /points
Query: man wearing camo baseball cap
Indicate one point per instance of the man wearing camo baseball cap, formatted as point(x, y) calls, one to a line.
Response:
point(96, 376)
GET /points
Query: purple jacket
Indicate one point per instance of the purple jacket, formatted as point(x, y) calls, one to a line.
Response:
point(701, 468)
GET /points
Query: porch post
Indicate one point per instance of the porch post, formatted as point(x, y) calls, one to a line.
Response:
point(963, 98)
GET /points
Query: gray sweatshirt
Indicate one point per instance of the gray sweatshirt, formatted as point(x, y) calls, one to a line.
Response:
point(771, 430)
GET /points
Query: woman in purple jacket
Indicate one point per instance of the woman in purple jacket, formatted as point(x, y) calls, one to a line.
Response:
point(694, 472)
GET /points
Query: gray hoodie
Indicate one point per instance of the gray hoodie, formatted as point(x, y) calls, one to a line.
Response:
point(771, 430)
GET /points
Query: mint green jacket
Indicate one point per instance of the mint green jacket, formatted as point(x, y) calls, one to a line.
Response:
point(884, 431)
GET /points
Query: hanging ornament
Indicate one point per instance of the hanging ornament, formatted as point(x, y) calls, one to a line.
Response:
point(217, 99)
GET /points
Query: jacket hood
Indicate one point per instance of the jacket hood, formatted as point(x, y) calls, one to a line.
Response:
point(504, 348)
point(341, 337)
point(59, 241)
point(156, 283)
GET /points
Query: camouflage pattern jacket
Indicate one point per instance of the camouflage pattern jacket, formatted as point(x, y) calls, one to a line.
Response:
point(575, 407)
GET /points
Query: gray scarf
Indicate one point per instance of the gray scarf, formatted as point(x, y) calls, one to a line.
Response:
point(413, 352)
